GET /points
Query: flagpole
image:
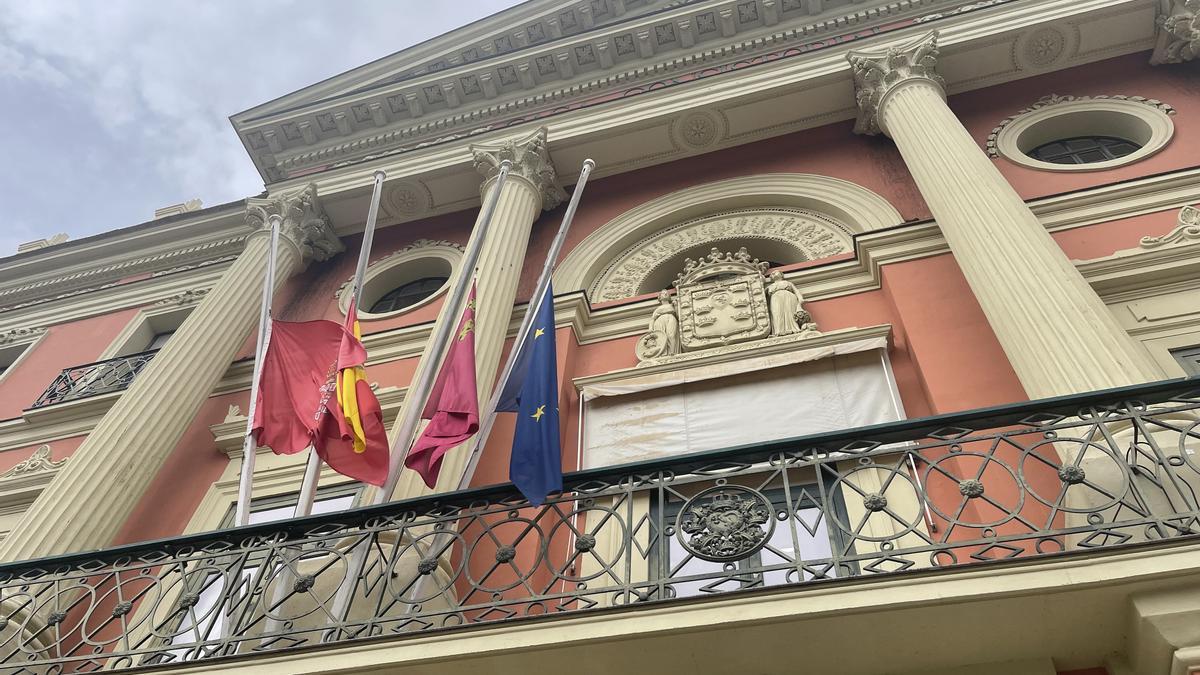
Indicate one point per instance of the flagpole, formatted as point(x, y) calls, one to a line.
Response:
point(312, 471)
point(535, 301)
point(242, 512)
point(414, 402)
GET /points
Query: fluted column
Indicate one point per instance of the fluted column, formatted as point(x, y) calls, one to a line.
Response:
point(1178, 38)
point(531, 186)
point(1057, 333)
point(92, 496)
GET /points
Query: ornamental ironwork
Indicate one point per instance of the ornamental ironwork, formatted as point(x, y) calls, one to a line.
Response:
point(1052, 478)
point(93, 379)
point(725, 523)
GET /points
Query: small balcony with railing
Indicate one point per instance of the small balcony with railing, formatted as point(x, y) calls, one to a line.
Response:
point(871, 533)
point(93, 379)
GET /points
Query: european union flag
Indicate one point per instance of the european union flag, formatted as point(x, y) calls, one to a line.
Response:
point(535, 466)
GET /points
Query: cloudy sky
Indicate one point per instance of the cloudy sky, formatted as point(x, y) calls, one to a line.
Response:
point(113, 108)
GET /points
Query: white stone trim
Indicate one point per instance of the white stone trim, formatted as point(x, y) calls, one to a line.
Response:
point(23, 339)
point(1134, 118)
point(164, 315)
point(407, 264)
point(858, 208)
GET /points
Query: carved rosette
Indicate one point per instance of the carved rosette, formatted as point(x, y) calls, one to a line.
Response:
point(1178, 32)
point(304, 221)
point(725, 523)
point(530, 157)
point(877, 74)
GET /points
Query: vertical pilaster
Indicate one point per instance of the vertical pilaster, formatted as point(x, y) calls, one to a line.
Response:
point(1055, 330)
point(531, 186)
point(91, 497)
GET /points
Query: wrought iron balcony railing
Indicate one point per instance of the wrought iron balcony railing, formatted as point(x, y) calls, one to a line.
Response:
point(92, 379)
point(1056, 477)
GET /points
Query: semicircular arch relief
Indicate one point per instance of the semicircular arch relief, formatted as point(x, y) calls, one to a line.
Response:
point(831, 205)
point(783, 236)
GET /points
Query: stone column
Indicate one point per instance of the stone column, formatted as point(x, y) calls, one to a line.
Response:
point(1057, 333)
point(1178, 32)
point(531, 186)
point(92, 496)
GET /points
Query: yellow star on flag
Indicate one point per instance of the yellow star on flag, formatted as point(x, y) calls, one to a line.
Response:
point(538, 332)
point(537, 415)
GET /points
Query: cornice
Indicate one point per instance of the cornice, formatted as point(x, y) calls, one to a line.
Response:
point(686, 38)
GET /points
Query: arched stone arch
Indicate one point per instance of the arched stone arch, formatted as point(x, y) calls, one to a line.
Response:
point(802, 215)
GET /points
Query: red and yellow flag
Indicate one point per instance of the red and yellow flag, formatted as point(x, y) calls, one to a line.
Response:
point(355, 440)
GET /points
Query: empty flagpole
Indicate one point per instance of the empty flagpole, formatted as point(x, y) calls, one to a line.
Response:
point(535, 301)
point(242, 513)
point(312, 471)
point(414, 402)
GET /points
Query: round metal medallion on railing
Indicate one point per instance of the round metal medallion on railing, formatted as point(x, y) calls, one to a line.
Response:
point(725, 523)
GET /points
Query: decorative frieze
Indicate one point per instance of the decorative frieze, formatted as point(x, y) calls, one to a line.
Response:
point(876, 75)
point(189, 297)
point(530, 157)
point(1178, 32)
point(304, 221)
point(38, 462)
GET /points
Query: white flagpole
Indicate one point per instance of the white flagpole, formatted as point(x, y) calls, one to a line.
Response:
point(535, 302)
point(312, 471)
point(242, 512)
point(414, 402)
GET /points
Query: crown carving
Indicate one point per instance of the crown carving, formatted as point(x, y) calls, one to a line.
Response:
point(717, 263)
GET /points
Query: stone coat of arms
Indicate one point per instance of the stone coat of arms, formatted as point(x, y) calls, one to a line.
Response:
point(724, 299)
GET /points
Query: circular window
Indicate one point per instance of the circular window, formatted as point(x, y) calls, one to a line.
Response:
point(405, 280)
point(407, 295)
point(1083, 150)
point(1084, 134)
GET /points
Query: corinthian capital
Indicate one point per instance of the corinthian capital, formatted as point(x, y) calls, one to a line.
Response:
point(304, 221)
point(1178, 32)
point(879, 73)
point(530, 157)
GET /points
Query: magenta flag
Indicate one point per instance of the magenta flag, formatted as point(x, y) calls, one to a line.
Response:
point(453, 405)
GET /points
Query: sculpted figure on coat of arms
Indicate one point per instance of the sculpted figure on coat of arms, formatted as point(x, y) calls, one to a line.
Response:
point(724, 299)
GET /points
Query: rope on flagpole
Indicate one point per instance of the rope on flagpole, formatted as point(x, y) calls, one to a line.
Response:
point(246, 481)
point(414, 402)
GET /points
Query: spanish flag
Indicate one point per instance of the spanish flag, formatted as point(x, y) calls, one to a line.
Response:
point(355, 442)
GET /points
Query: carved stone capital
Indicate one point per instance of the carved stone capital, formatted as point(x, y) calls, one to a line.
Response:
point(1178, 32)
point(878, 74)
point(530, 157)
point(304, 221)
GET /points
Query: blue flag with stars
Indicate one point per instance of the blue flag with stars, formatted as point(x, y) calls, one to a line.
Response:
point(535, 466)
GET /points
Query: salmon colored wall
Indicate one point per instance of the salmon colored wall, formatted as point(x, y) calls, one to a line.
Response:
point(1104, 239)
point(63, 346)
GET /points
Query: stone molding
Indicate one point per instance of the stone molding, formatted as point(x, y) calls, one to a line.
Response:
point(853, 207)
point(21, 335)
point(188, 297)
point(1178, 26)
point(530, 157)
point(38, 462)
point(1187, 229)
point(812, 236)
point(305, 223)
point(878, 74)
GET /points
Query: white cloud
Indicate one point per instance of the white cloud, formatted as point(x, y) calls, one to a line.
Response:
point(148, 87)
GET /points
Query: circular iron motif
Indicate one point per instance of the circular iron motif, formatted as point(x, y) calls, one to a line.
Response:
point(725, 523)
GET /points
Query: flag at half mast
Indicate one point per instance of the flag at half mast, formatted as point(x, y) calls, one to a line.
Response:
point(535, 465)
point(453, 405)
